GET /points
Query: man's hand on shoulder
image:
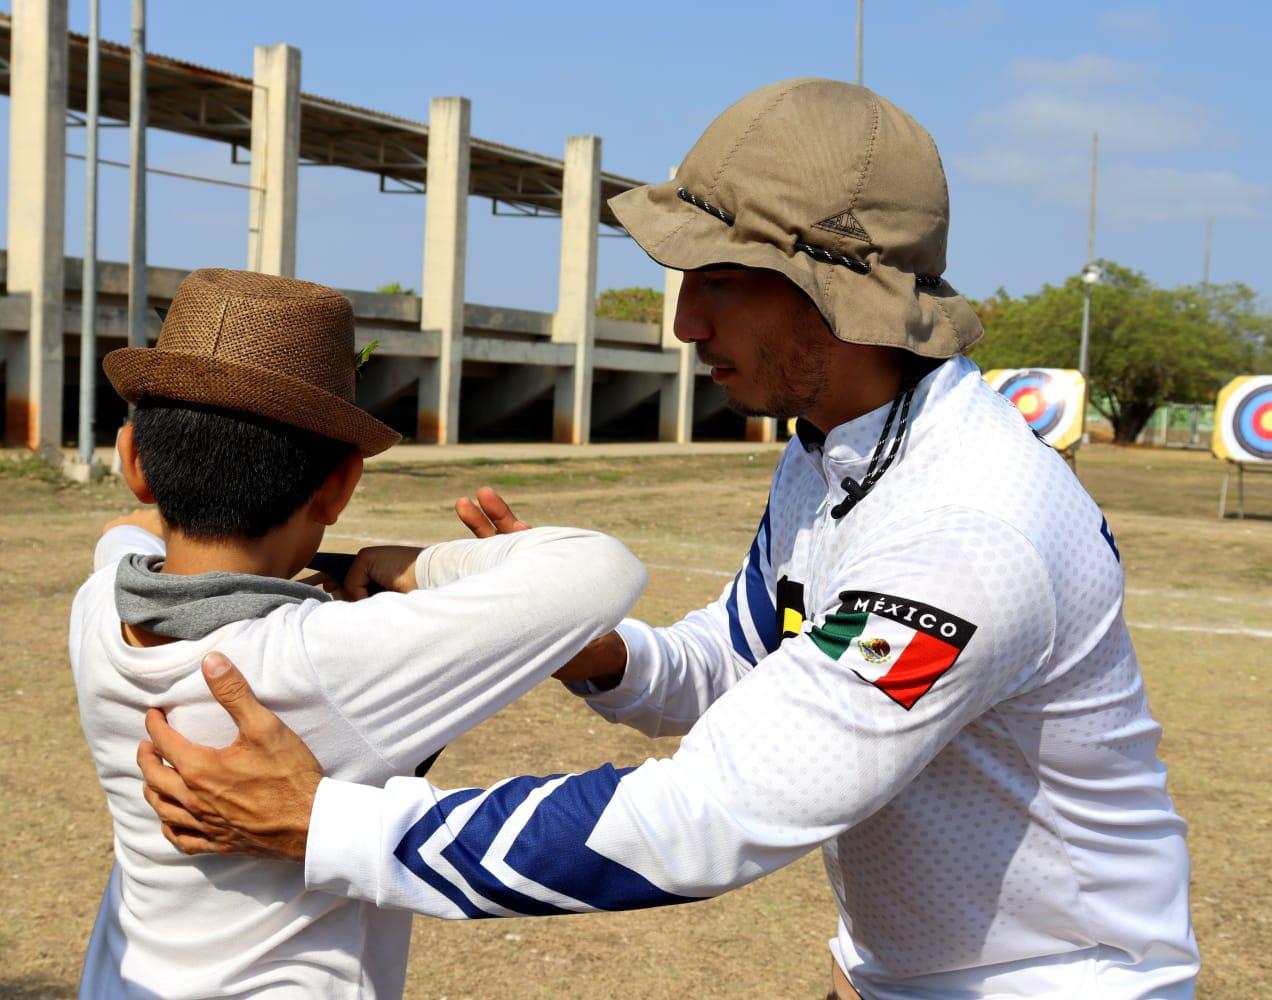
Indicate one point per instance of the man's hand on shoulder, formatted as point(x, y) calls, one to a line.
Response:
point(146, 518)
point(253, 797)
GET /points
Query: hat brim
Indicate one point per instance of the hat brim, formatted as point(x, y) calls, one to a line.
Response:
point(138, 372)
point(885, 307)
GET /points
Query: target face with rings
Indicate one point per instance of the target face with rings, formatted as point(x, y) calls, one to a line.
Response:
point(1034, 395)
point(1052, 401)
point(1243, 420)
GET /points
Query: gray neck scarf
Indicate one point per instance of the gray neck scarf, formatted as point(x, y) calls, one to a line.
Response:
point(190, 607)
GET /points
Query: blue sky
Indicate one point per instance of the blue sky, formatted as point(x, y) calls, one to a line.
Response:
point(1011, 92)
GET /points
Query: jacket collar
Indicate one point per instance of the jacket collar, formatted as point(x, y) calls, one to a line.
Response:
point(847, 449)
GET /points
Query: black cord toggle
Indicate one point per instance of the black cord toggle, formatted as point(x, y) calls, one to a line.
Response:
point(855, 491)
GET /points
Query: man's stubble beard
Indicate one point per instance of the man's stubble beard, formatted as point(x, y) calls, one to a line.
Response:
point(795, 378)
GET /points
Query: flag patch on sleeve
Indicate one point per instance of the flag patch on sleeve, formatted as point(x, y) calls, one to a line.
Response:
point(900, 646)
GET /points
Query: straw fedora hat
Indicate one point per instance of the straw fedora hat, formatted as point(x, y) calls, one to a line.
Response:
point(835, 188)
point(274, 347)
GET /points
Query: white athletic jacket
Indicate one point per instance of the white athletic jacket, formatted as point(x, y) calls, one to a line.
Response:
point(937, 688)
point(374, 687)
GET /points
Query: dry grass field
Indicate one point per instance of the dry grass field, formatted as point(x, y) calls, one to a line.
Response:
point(1199, 597)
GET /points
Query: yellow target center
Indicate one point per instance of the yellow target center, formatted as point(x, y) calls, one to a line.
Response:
point(1029, 404)
point(1265, 422)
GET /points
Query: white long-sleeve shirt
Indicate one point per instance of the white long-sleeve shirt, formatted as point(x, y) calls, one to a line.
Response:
point(937, 688)
point(374, 687)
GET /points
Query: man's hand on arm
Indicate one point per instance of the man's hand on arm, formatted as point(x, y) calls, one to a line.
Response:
point(253, 797)
point(384, 567)
point(602, 661)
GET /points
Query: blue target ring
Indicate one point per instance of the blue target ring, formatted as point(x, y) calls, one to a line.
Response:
point(1033, 394)
point(1252, 422)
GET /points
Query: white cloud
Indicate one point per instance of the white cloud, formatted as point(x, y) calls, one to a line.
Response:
point(1079, 73)
point(1139, 23)
point(1055, 119)
point(1128, 192)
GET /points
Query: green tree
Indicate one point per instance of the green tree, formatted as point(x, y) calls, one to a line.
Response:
point(644, 305)
point(394, 288)
point(1149, 345)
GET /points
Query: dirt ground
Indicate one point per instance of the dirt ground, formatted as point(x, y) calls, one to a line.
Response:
point(1199, 597)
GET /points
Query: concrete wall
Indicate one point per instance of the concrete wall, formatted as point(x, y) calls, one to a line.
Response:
point(512, 360)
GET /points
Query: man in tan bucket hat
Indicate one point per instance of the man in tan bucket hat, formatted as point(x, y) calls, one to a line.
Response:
point(921, 667)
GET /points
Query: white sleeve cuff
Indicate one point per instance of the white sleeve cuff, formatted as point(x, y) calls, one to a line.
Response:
point(634, 687)
point(342, 855)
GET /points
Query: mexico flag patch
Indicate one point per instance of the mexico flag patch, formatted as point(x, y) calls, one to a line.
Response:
point(902, 647)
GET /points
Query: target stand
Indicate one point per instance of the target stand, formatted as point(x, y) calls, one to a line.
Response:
point(1052, 401)
point(1243, 433)
point(1241, 471)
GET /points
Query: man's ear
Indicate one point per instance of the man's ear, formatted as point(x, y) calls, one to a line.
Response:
point(336, 490)
point(130, 465)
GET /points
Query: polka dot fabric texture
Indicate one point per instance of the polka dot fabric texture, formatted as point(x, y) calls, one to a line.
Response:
point(1016, 811)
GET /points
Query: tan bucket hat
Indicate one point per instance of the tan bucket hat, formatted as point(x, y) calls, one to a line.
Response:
point(830, 185)
point(278, 348)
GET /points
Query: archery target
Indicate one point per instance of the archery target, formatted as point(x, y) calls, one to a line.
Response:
point(1243, 420)
point(1052, 401)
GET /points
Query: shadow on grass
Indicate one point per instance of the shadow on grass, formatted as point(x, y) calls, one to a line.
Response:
point(35, 986)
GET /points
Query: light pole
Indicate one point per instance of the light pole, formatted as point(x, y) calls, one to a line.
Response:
point(137, 178)
point(88, 296)
point(861, 55)
point(1090, 273)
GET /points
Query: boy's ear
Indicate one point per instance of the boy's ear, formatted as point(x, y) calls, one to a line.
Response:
point(130, 465)
point(336, 490)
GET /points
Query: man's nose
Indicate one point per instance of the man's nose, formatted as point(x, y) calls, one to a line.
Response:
point(692, 324)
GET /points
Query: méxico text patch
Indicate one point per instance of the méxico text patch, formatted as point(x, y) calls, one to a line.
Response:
point(900, 646)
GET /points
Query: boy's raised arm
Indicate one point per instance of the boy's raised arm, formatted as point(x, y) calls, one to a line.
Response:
point(493, 618)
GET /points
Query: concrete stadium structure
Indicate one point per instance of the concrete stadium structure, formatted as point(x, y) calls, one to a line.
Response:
point(593, 370)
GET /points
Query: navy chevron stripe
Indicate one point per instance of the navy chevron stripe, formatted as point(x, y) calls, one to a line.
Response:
point(736, 635)
point(763, 611)
point(466, 851)
point(408, 850)
point(552, 848)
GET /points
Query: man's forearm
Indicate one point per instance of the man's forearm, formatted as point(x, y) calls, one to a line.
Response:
point(602, 661)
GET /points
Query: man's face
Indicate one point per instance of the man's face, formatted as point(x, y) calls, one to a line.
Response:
point(765, 342)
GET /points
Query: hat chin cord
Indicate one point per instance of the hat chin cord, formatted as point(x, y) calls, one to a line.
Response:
point(855, 491)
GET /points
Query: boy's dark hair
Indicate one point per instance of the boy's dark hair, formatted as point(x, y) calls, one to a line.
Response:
point(219, 474)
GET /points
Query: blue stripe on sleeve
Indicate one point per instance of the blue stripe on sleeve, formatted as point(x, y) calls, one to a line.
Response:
point(766, 529)
point(763, 611)
point(738, 637)
point(408, 850)
point(552, 848)
point(466, 851)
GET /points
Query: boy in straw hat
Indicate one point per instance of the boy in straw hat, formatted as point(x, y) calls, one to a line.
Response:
point(922, 667)
point(247, 438)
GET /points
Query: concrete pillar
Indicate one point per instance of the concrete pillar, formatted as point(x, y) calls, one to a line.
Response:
point(445, 250)
point(275, 171)
point(675, 401)
point(762, 430)
point(37, 220)
point(576, 303)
